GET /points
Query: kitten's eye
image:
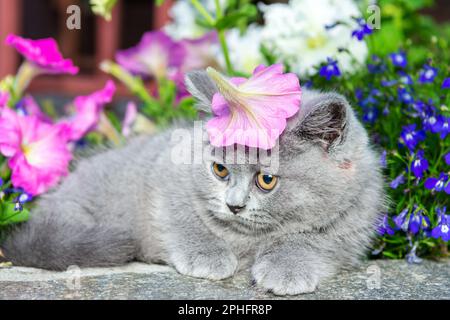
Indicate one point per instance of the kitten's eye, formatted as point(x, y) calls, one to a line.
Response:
point(220, 171)
point(266, 182)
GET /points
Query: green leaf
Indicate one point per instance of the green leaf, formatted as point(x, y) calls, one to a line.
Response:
point(160, 2)
point(386, 40)
point(232, 19)
point(390, 255)
point(9, 215)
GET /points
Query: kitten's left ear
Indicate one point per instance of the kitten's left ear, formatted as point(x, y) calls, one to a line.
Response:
point(202, 88)
point(323, 118)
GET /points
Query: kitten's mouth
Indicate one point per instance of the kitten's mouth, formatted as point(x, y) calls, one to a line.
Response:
point(242, 224)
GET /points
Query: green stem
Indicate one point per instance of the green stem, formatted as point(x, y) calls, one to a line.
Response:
point(226, 54)
point(24, 76)
point(221, 33)
point(201, 9)
point(134, 84)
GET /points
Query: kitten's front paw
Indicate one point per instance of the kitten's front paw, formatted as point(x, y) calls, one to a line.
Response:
point(209, 263)
point(283, 276)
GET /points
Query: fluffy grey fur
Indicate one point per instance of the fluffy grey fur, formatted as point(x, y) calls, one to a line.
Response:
point(135, 203)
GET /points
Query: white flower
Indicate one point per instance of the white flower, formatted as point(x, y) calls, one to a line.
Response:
point(183, 16)
point(245, 53)
point(296, 34)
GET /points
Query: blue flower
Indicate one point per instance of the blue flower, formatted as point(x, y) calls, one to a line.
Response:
point(362, 30)
point(427, 74)
point(21, 200)
point(438, 184)
point(330, 70)
point(446, 83)
point(388, 83)
point(384, 227)
point(405, 78)
point(419, 164)
point(370, 115)
point(447, 158)
point(442, 230)
point(430, 123)
point(401, 220)
point(400, 179)
point(383, 161)
point(1, 182)
point(411, 256)
point(405, 96)
point(443, 126)
point(411, 137)
point(417, 222)
point(399, 59)
point(377, 66)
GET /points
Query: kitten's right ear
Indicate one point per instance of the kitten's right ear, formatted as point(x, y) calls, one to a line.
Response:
point(202, 88)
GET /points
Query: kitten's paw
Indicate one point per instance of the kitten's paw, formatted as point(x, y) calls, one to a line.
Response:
point(283, 277)
point(208, 263)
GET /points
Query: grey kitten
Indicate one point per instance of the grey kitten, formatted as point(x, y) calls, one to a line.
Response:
point(215, 217)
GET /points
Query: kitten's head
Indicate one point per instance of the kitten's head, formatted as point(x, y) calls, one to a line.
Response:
point(319, 160)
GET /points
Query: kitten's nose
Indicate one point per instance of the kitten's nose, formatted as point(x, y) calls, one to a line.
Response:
point(235, 209)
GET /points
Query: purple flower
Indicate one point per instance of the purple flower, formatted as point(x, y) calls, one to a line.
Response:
point(404, 95)
point(330, 70)
point(438, 184)
point(401, 221)
point(446, 83)
point(442, 126)
point(427, 74)
point(377, 66)
point(430, 123)
point(447, 158)
point(405, 78)
point(388, 83)
point(419, 164)
point(399, 59)
point(411, 137)
point(362, 30)
point(155, 55)
point(43, 54)
point(21, 200)
point(400, 179)
point(383, 162)
point(411, 256)
point(370, 115)
point(384, 227)
point(417, 222)
point(442, 230)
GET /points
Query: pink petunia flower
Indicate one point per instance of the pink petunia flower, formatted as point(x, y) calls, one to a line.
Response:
point(201, 52)
point(43, 54)
point(87, 112)
point(4, 98)
point(29, 106)
point(154, 56)
point(38, 153)
point(253, 112)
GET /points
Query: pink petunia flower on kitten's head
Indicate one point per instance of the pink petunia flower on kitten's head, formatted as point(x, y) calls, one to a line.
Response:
point(154, 56)
point(42, 53)
point(37, 151)
point(253, 112)
point(87, 112)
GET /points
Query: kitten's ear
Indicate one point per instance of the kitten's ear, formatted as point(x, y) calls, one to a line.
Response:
point(324, 119)
point(202, 88)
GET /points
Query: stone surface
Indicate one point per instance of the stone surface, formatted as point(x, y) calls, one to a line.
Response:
point(394, 279)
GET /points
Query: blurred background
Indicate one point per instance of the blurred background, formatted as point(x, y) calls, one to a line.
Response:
point(97, 40)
